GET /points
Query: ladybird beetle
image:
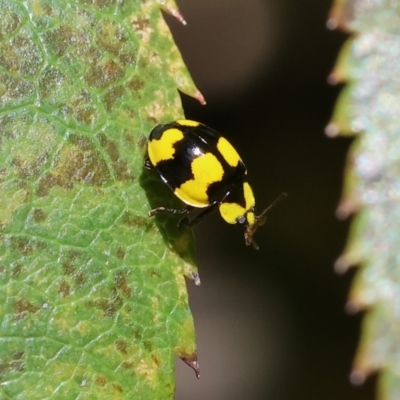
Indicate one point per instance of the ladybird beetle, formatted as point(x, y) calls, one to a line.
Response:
point(204, 171)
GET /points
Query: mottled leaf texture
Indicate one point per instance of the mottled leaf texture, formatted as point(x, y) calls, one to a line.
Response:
point(369, 108)
point(93, 300)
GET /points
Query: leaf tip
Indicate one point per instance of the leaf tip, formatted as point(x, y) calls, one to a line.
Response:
point(193, 363)
point(357, 377)
point(341, 265)
point(332, 130)
point(332, 23)
point(340, 15)
point(172, 10)
point(196, 278)
point(352, 307)
point(199, 96)
point(334, 78)
point(347, 207)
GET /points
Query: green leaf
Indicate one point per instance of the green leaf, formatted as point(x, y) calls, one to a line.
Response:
point(93, 300)
point(369, 108)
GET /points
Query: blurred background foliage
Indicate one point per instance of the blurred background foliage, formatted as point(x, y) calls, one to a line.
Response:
point(271, 324)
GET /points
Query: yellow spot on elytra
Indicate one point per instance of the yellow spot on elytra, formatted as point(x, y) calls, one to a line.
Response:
point(206, 170)
point(187, 122)
point(230, 212)
point(248, 196)
point(228, 152)
point(163, 149)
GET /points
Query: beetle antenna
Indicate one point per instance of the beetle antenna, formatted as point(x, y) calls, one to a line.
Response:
point(259, 221)
point(260, 217)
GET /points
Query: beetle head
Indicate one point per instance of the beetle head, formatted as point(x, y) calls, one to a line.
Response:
point(252, 221)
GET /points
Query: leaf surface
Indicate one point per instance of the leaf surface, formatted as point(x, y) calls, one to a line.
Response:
point(93, 300)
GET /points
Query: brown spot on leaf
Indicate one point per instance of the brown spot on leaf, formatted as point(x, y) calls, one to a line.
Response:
point(147, 345)
point(127, 364)
point(83, 142)
point(26, 246)
point(117, 388)
point(153, 273)
point(38, 215)
point(24, 307)
point(122, 284)
point(112, 96)
point(29, 56)
point(142, 142)
point(47, 182)
point(79, 162)
point(120, 166)
point(127, 58)
point(101, 381)
point(122, 171)
point(141, 24)
point(83, 109)
point(29, 168)
point(21, 244)
point(143, 63)
point(110, 40)
point(14, 364)
point(8, 57)
point(7, 125)
point(17, 271)
point(51, 80)
point(10, 22)
point(169, 388)
point(71, 270)
point(156, 360)
point(129, 137)
point(136, 334)
point(76, 274)
point(64, 289)
point(134, 220)
point(101, 3)
point(86, 115)
point(17, 88)
point(17, 355)
point(121, 346)
point(110, 146)
point(24, 186)
point(108, 306)
point(60, 39)
point(104, 74)
point(136, 84)
point(121, 253)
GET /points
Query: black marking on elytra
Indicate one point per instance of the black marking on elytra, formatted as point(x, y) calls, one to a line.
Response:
point(236, 195)
point(157, 132)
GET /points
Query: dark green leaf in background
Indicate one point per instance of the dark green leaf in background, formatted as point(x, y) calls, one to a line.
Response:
point(93, 300)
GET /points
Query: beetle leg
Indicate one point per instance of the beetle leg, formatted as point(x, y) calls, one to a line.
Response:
point(169, 210)
point(198, 217)
point(147, 163)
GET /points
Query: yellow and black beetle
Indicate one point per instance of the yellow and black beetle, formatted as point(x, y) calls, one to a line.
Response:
point(204, 171)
